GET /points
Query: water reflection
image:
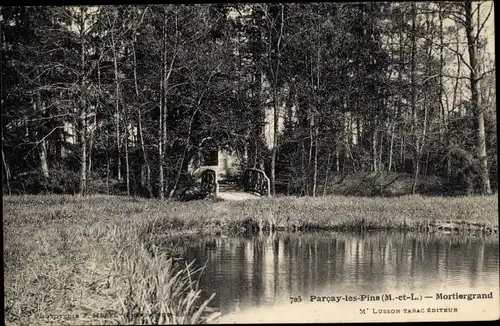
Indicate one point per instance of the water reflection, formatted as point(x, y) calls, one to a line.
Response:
point(267, 269)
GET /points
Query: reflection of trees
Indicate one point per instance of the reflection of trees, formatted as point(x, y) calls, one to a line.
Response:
point(274, 266)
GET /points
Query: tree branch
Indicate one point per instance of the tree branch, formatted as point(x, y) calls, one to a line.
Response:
point(480, 28)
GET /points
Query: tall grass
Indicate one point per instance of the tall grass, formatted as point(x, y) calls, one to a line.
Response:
point(82, 261)
point(95, 260)
point(157, 292)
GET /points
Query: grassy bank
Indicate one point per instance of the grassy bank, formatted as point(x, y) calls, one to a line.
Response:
point(81, 261)
point(93, 260)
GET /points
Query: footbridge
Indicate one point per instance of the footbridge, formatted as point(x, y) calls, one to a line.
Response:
point(254, 185)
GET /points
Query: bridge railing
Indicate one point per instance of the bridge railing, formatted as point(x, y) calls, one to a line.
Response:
point(209, 182)
point(256, 180)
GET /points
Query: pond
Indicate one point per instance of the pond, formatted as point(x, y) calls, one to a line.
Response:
point(332, 277)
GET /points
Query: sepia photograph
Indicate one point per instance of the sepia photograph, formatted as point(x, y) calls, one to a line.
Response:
point(226, 163)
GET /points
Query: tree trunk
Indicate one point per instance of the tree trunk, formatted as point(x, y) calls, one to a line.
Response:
point(400, 112)
point(311, 140)
point(315, 164)
point(422, 141)
point(419, 151)
point(326, 174)
point(275, 145)
point(7, 172)
point(139, 123)
point(303, 175)
point(442, 121)
point(127, 165)
point(43, 160)
point(380, 152)
point(117, 107)
point(161, 186)
point(44, 166)
point(107, 175)
point(91, 145)
point(413, 97)
point(481, 138)
point(374, 149)
point(83, 111)
point(94, 129)
point(337, 157)
point(275, 111)
point(426, 170)
point(83, 157)
point(391, 146)
point(145, 154)
point(162, 122)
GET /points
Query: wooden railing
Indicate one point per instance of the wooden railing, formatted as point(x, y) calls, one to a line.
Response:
point(209, 182)
point(256, 180)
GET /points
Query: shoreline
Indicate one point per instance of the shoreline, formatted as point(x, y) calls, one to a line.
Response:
point(472, 214)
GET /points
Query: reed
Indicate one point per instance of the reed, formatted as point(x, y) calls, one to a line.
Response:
point(81, 261)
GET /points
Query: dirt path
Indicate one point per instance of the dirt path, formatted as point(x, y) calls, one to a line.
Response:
point(236, 195)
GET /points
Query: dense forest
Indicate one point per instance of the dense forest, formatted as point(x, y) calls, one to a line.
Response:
point(99, 98)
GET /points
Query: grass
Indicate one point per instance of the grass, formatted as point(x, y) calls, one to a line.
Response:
point(81, 261)
point(95, 260)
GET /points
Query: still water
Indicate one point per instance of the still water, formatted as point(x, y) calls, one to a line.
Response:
point(271, 277)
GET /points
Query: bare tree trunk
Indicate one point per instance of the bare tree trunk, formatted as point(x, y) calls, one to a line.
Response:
point(413, 97)
point(311, 140)
point(399, 113)
point(127, 165)
point(83, 110)
point(255, 154)
point(419, 152)
point(424, 128)
point(7, 172)
point(117, 106)
point(380, 152)
point(481, 138)
point(337, 157)
point(391, 146)
point(161, 140)
point(161, 189)
point(83, 141)
point(442, 122)
point(139, 120)
point(91, 145)
point(275, 107)
point(302, 165)
point(315, 167)
point(374, 149)
point(402, 157)
point(326, 174)
point(310, 154)
point(358, 129)
point(457, 80)
point(316, 120)
point(145, 155)
point(44, 166)
point(43, 159)
point(94, 129)
point(107, 175)
point(275, 142)
point(427, 163)
point(273, 152)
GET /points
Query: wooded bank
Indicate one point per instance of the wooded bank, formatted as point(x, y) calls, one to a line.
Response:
point(130, 97)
